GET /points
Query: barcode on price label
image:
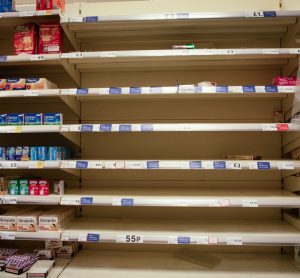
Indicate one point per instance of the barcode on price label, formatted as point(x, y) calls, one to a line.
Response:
point(8, 235)
point(9, 200)
point(65, 237)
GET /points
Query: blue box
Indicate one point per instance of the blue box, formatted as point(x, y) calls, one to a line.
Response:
point(42, 153)
point(2, 153)
point(7, 6)
point(3, 119)
point(34, 153)
point(19, 153)
point(52, 119)
point(15, 119)
point(33, 118)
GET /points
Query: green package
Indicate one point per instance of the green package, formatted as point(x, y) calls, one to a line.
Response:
point(13, 187)
point(23, 187)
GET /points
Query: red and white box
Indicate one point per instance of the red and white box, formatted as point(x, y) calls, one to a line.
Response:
point(25, 39)
point(280, 80)
point(50, 38)
point(34, 187)
point(50, 5)
point(43, 187)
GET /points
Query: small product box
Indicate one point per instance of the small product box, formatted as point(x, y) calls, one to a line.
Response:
point(24, 187)
point(28, 221)
point(39, 84)
point(7, 6)
point(50, 38)
point(33, 187)
point(8, 221)
point(33, 119)
point(19, 153)
point(45, 254)
point(15, 119)
point(25, 39)
point(53, 119)
point(25, 153)
point(59, 187)
point(50, 5)
point(13, 84)
point(3, 119)
point(13, 187)
point(2, 84)
point(43, 187)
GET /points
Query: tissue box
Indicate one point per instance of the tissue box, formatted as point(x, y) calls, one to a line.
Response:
point(50, 38)
point(39, 84)
point(25, 39)
point(7, 6)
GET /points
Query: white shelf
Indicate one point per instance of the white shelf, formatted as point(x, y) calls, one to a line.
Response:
point(22, 14)
point(39, 235)
point(187, 127)
point(30, 200)
point(180, 198)
point(31, 93)
point(111, 264)
point(203, 232)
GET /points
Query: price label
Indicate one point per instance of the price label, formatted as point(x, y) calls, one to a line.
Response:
point(202, 240)
point(95, 165)
point(76, 55)
point(171, 16)
point(235, 165)
point(86, 128)
point(130, 238)
point(25, 14)
point(14, 129)
point(8, 235)
point(214, 203)
point(64, 164)
point(269, 127)
point(31, 93)
point(208, 164)
point(82, 237)
point(234, 241)
point(286, 165)
point(270, 51)
point(93, 237)
point(9, 200)
point(108, 54)
point(65, 237)
point(183, 240)
point(212, 240)
point(10, 165)
point(82, 164)
point(286, 89)
point(254, 14)
point(69, 201)
point(282, 127)
point(86, 200)
point(225, 203)
point(250, 203)
point(37, 57)
point(295, 51)
point(134, 165)
point(36, 165)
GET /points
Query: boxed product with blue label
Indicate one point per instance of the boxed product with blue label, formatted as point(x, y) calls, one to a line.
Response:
point(7, 6)
point(3, 119)
point(2, 84)
point(53, 119)
point(39, 84)
point(33, 118)
point(15, 84)
point(15, 119)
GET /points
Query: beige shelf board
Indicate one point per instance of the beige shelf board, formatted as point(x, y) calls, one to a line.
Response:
point(157, 231)
point(111, 264)
point(183, 197)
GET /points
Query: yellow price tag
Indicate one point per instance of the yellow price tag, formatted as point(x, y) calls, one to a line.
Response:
point(18, 129)
point(40, 164)
point(48, 12)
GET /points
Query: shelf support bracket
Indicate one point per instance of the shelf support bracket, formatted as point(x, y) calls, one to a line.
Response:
point(71, 36)
point(292, 37)
point(72, 104)
point(72, 71)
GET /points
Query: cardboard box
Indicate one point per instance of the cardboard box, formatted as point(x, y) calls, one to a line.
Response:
point(50, 5)
point(7, 6)
point(28, 221)
point(50, 38)
point(39, 84)
point(25, 39)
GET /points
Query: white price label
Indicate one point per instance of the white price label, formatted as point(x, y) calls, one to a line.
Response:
point(108, 54)
point(65, 237)
point(64, 164)
point(14, 129)
point(286, 89)
point(9, 200)
point(65, 92)
point(36, 165)
point(134, 165)
point(70, 201)
point(214, 203)
point(82, 237)
point(9, 165)
point(250, 203)
point(171, 16)
point(8, 235)
point(225, 203)
point(254, 14)
point(286, 165)
point(203, 240)
point(28, 13)
point(212, 240)
point(253, 165)
point(72, 55)
point(40, 57)
point(295, 51)
point(234, 241)
point(270, 51)
point(136, 127)
point(130, 238)
point(235, 165)
point(64, 128)
point(208, 164)
point(236, 89)
point(95, 164)
point(31, 93)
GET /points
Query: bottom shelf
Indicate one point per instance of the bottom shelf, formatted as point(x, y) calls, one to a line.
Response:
point(111, 264)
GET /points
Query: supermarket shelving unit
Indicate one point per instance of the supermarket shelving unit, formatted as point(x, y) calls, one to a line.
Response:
point(152, 169)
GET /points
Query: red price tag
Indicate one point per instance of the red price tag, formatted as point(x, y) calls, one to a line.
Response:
point(282, 127)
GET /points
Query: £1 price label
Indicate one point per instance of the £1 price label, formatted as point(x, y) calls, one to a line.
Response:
point(130, 238)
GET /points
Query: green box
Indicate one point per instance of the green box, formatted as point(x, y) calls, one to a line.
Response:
point(13, 187)
point(23, 187)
